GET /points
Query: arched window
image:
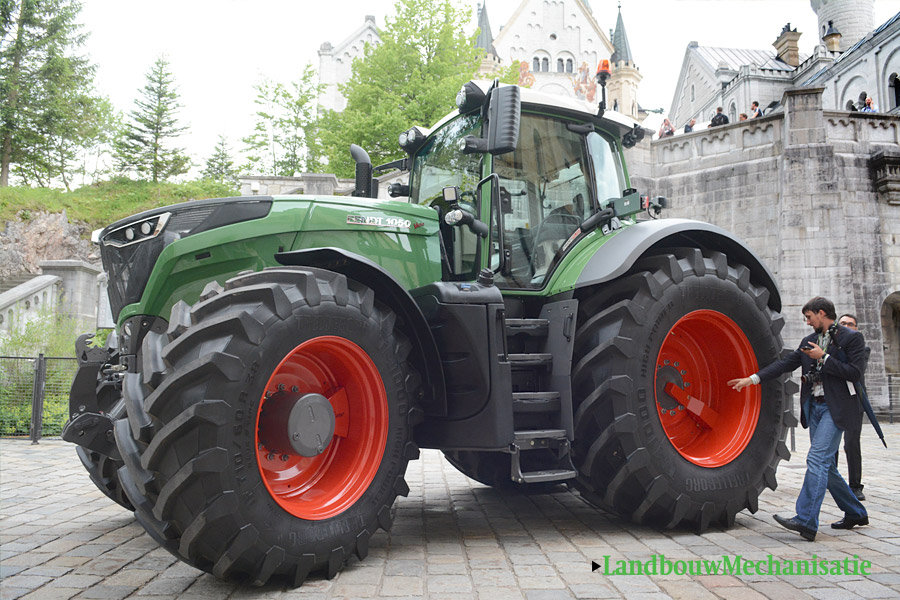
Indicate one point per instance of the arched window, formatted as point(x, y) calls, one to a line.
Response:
point(732, 113)
point(545, 65)
point(894, 90)
point(616, 105)
point(692, 92)
point(569, 65)
point(560, 65)
point(537, 64)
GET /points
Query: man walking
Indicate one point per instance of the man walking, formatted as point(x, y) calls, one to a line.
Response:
point(851, 435)
point(832, 358)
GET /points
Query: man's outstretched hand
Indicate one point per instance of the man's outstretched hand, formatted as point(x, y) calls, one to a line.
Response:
point(739, 384)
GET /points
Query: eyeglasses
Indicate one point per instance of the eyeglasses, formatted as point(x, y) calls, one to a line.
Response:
point(847, 323)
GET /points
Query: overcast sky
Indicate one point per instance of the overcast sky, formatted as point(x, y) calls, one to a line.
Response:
point(219, 48)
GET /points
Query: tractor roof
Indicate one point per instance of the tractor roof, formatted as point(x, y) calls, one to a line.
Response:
point(562, 105)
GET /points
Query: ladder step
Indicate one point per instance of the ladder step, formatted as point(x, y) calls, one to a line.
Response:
point(539, 434)
point(522, 361)
point(548, 475)
point(536, 402)
point(526, 325)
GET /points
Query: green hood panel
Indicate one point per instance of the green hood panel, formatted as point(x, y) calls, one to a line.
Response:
point(400, 237)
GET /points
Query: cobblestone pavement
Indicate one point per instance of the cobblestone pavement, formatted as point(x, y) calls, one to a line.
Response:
point(453, 538)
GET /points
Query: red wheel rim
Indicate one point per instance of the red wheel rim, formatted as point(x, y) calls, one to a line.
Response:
point(326, 485)
point(706, 421)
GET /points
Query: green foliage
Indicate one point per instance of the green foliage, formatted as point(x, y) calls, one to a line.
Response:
point(53, 336)
point(48, 110)
point(283, 138)
point(143, 146)
point(220, 166)
point(49, 334)
point(411, 78)
point(104, 202)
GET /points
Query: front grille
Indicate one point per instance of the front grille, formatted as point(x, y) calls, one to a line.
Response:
point(129, 268)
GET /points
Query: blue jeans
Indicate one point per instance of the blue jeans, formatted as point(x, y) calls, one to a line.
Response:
point(821, 471)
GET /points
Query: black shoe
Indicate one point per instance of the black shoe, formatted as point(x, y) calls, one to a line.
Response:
point(849, 522)
point(859, 494)
point(793, 525)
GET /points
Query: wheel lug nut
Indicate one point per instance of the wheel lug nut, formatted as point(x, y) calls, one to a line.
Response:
point(259, 446)
point(295, 436)
point(268, 395)
point(280, 387)
point(271, 456)
point(295, 389)
point(675, 364)
point(680, 407)
point(284, 457)
point(683, 372)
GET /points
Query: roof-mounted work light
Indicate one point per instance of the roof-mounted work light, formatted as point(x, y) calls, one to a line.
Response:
point(411, 140)
point(469, 98)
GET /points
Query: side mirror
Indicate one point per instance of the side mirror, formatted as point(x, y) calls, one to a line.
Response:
point(504, 113)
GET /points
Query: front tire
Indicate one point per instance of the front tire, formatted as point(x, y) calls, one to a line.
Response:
point(659, 436)
point(218, 481)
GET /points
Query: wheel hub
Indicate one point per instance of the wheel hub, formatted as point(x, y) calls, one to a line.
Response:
point(296, 423)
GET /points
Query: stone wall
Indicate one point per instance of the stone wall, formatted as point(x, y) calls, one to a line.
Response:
point(800, 189)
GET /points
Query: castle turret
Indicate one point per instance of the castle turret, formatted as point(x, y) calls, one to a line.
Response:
point(854, 19)
point(485, 41)
point(625, 76)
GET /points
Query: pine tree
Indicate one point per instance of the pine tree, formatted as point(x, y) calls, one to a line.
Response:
point(48, 110)
point(220, 165)
point(144, 144)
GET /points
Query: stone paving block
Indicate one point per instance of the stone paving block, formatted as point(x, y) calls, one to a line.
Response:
point(112, 592)
point(453, 584)
point(167, 586)
point(26, 582)
point(49, 593)
point(393, 585)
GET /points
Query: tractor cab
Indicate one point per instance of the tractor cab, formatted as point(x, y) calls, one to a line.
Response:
point(533, 194)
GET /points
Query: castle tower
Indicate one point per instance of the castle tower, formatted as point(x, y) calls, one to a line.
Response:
point(852, 18)
point(491, 62)
point(624, 78)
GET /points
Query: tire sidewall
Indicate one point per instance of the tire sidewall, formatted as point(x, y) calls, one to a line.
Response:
point(715, 484)
point(238, 436)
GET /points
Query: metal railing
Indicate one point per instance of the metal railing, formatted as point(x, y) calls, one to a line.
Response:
point(34, 395)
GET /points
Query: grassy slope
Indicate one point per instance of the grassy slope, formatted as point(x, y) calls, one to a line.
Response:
point(100, 204)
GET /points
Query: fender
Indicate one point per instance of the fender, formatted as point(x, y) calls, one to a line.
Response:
point(425, 354)
point(622, 251)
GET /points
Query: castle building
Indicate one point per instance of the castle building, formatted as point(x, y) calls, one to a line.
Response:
point(557, 43)
point(851, 60)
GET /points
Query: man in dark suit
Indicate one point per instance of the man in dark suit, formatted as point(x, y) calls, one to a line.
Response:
point(851, 435)
point(832, 359)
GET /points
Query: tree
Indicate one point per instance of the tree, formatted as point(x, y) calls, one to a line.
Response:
point(220, 166)
point(144, 144)
point(410, 78)
point(48, 110)
point(283, 140)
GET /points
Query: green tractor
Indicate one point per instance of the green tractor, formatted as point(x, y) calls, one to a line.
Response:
point(278, 361)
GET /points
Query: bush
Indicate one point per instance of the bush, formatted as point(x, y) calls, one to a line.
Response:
point(53, 336)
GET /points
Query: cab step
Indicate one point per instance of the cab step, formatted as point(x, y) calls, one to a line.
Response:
point(548, 475)
point(526, 361)
point(536, 402)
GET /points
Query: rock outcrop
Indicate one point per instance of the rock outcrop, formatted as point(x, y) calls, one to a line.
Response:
point(25, 243)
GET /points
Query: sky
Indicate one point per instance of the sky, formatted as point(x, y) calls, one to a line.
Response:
point(218, 49)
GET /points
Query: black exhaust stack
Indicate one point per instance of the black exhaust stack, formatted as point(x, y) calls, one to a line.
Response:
point(364, 180)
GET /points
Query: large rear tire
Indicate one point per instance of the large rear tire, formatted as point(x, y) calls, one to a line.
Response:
point(659, 436)
point(211, 467)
